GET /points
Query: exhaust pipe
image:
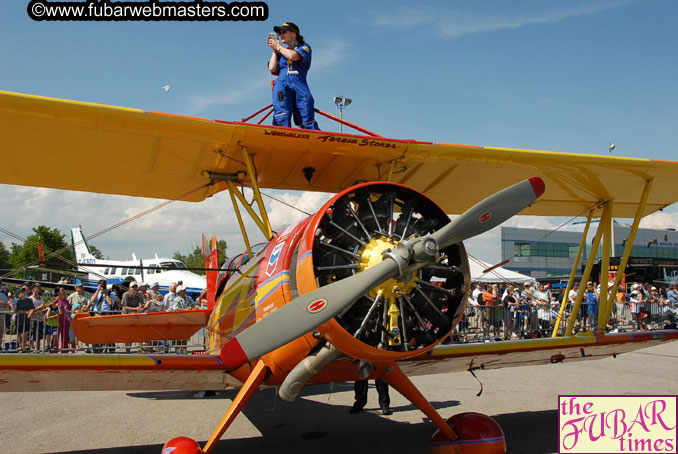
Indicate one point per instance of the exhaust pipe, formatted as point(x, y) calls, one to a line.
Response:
point(305, 370)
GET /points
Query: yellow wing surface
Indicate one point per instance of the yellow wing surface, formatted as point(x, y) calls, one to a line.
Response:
point(163, 372)
point(151, 154)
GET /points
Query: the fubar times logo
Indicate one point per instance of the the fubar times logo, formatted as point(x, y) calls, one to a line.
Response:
point(617, 424)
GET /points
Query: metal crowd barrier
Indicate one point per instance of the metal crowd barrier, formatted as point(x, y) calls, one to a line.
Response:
point(493, 323)
point(22, 335)
point(479, 323)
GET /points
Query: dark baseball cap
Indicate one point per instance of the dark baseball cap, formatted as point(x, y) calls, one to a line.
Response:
point(286, 26)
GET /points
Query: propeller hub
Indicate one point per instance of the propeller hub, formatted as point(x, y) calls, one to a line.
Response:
point(372, 254)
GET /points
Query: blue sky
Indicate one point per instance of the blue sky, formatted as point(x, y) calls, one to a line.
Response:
point(562, 75)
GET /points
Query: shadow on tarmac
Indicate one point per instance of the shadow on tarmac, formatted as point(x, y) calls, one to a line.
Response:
point(310, 426)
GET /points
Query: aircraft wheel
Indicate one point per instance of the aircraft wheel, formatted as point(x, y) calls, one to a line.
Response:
point(478, 434)
point(181, 445)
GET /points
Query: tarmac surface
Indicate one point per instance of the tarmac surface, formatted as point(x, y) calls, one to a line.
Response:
point(523, 400)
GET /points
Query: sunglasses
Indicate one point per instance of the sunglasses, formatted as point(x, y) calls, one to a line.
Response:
point(135, 286)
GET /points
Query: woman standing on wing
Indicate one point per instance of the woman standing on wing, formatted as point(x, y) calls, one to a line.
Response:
point(291, 95)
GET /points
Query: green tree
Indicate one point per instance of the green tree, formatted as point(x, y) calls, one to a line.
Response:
point(26, 254)
point(221, 246)
point(195, 259)
point(4, 257)
point(96, 252)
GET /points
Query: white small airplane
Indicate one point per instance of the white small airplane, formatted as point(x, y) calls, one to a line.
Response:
point(164, 271)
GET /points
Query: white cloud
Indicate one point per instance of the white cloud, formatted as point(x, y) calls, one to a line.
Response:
point(660, 220)
point(327, 54)
point(236, 92)
point(281, 215)
point(176, 227)
point(454, 24)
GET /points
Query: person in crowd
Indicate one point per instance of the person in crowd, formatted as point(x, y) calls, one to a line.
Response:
point(5, 319)
point(154, 305)
point(101, 301)
point(477, 293)
point(672, 295)
point(540, 295)
point(65, 310)
point(572, 296)
point(591, 298)
point(79, 303)
point(169, 298)
point(116, 295)
point(77, 299)
point(489, 296)
point(291, 96)
point(132, 301)
point(183, 301)
point(36, 316)
point(51, 324)
point(621, 304)
point(153, 291)
point(636, 299)
point(360, 389)
point(22, 306)
point(143, 291)
point(510, 306)
point(546, 316)
point(202, 299)
point(528, 308)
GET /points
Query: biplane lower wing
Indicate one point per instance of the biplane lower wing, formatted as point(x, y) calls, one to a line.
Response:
point(143, 327)
point(199, 372)
point(551, 350)
point(97, 372)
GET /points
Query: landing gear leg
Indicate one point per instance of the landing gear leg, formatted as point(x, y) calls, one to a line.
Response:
point(397, 378)
point(248, 388)
point(465, 433)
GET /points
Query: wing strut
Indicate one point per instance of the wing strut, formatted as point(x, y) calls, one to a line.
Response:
point(605, 312)
point(587, 272)
point(260, 220)
point(573, 273)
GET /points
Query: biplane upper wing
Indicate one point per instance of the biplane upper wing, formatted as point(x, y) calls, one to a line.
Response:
point(172, 155)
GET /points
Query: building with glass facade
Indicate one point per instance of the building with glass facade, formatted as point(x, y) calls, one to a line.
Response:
point(545, 253)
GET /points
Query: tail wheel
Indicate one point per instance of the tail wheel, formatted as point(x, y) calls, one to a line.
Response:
point(398, 315)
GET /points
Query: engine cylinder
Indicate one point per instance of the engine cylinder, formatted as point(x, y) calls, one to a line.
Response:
point(403, 316)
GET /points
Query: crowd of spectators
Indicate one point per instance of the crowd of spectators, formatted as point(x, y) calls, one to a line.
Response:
point(35, 319)
point(508, 311)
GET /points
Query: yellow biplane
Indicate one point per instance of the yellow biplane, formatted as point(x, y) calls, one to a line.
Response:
point(367, 287)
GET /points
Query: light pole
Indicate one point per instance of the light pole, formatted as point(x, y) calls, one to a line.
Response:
point(341, 103)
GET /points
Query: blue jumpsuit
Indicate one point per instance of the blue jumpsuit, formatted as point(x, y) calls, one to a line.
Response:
point(291, 95)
